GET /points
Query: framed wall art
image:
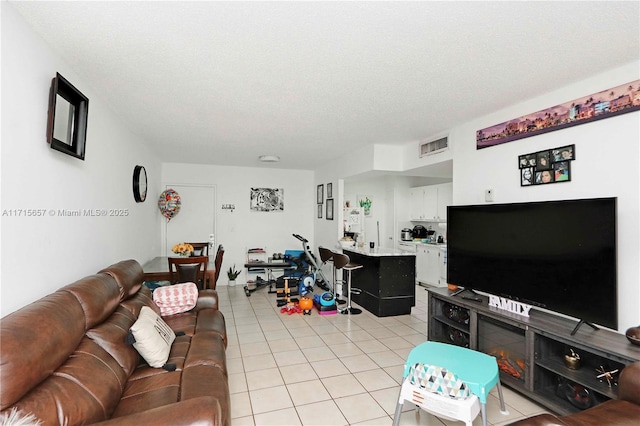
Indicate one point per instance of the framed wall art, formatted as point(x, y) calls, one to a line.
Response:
point(330, 209)
point(597, 106)
point(67, 118)
point(548, 166)
point(330, 190)
point(320, 194)
point(267, 199)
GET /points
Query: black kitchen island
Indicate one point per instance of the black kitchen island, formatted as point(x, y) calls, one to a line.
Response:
point(387, 280)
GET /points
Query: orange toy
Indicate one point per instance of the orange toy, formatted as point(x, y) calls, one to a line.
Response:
point(306, 304)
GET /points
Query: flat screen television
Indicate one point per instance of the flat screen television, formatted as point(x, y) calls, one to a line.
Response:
point(557, 255)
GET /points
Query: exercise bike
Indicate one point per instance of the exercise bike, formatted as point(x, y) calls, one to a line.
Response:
point(315, 274)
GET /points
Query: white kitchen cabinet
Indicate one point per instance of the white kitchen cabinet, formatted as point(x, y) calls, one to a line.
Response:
point(429, 203)
point(422, 264)
point(445, 199)
point(433, 266)
point(416, 203)
point(428, 259)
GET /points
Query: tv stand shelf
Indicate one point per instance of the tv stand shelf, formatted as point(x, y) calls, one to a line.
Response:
point(530, 350)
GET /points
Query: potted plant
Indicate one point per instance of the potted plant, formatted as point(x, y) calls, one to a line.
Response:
point(232, 274)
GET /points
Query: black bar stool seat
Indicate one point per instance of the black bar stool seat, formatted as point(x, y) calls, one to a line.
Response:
point(326, 256)
point(342, 261)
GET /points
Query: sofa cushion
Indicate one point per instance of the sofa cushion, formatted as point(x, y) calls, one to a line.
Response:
point(148, 393)
point(83, 390)
point(35, 340)
point(112, 334)
point(128, 274)
point(142, 298)
point(99, 296)
point(153, 337)
point(212, 320)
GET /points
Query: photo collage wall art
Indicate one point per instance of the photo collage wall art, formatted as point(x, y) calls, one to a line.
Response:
point(548, 166)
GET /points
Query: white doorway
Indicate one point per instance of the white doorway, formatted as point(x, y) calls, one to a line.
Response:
point(196, 219)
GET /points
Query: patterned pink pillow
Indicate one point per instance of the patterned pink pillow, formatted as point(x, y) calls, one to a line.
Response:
point(173, 299)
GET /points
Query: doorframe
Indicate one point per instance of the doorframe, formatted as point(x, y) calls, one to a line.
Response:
point(163, 230)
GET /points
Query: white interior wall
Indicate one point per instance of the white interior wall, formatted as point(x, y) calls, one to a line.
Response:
point(606, 165)
point(241, 228)
point(43, 253)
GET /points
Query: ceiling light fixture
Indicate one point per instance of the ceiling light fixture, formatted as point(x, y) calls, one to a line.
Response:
point(269, 158)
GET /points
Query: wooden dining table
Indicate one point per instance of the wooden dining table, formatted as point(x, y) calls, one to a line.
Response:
point(157, 269)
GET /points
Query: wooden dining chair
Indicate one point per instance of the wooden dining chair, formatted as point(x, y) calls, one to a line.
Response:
point(200, 249)
point(189, 269)
point(218, 265)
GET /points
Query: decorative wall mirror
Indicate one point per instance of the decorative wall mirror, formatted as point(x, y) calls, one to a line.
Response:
point(67, 120)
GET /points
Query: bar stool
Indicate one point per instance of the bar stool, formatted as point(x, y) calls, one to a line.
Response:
point(326, 256)
point(342, 261)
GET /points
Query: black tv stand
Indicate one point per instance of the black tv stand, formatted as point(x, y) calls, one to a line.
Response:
point(575, 330)
point(530, 351)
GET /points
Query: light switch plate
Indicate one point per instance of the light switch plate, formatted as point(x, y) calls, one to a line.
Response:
point(488, 195)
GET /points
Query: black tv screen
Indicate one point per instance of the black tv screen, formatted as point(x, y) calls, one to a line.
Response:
point(558, 255)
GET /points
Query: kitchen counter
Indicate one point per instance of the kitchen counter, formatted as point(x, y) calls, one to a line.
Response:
point(377, 252)
point(424, 244)
point(387, 280)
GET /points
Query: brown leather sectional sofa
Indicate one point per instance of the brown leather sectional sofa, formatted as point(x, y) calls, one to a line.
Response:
point(620, 412)
point(66, 360)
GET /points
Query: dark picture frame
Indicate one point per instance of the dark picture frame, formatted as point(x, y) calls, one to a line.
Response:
point(543, 177)
point(561, 171)
point(319, 211)
point(527, 160)
point(526, 176)
point(330, 190)
point(563, 154)
point(329, 208)
point(67, 118)
point(546, 166)
point(320, 194)
point(543, 160)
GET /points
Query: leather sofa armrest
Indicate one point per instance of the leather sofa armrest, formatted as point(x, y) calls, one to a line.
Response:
point(207, 299)
point(545, 419)
point(629, 383)
point(203, 411)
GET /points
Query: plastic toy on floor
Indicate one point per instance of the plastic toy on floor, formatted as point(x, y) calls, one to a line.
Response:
point(306, 304)
point(291, 308)
point(325, 303)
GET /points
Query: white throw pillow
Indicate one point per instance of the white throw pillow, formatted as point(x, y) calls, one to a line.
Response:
point(153, 337)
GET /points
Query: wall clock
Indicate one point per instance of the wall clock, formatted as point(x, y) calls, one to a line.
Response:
point(139, 184)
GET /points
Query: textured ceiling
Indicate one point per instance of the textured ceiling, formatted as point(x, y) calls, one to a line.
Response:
point(224, 82)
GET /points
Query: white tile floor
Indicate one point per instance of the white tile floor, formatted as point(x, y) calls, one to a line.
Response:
point(327, 369)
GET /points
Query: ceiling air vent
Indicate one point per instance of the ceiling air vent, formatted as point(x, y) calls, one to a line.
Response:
point(428, 148)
